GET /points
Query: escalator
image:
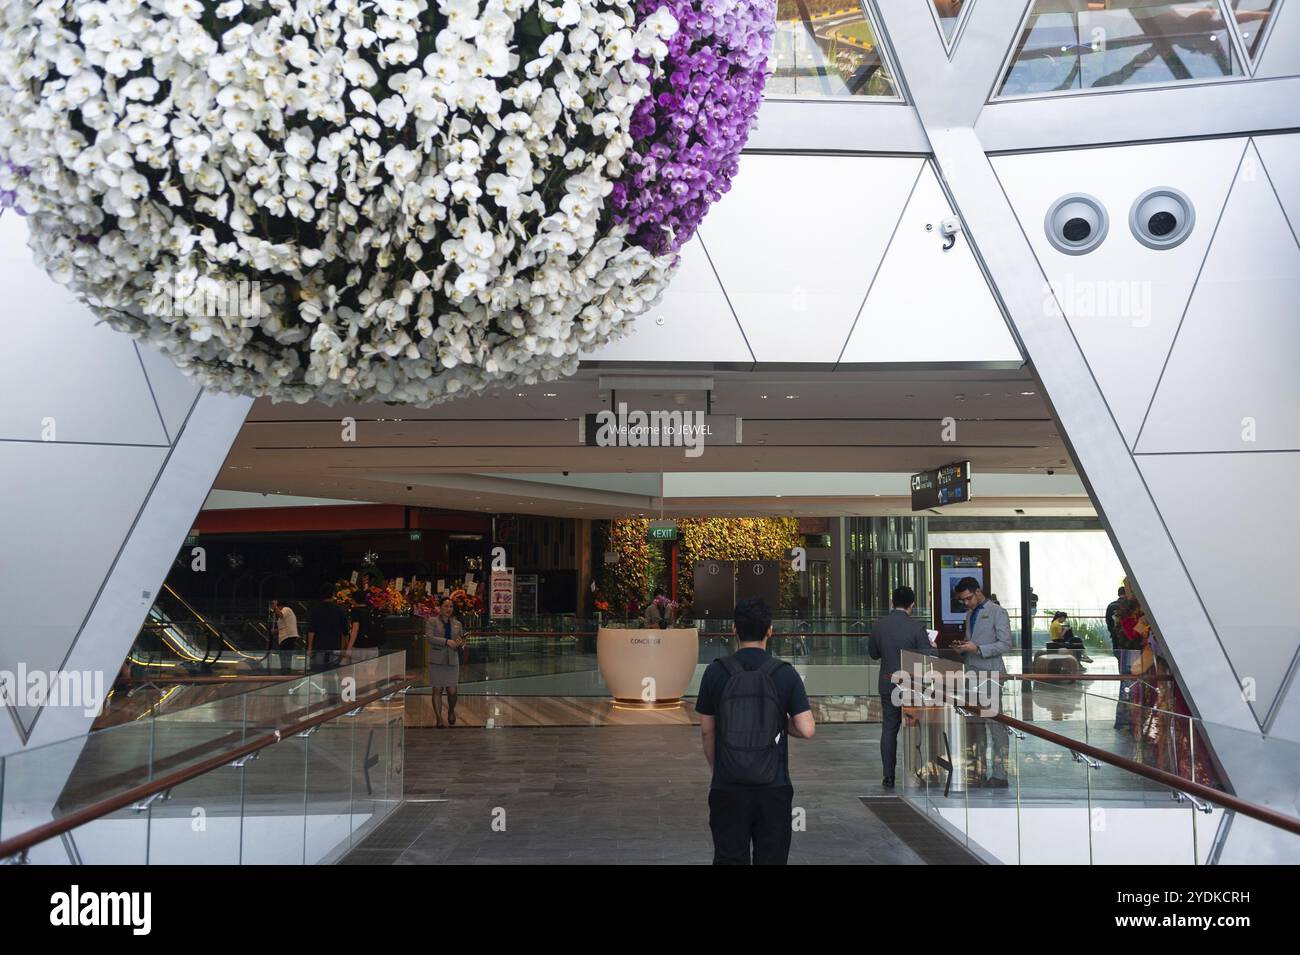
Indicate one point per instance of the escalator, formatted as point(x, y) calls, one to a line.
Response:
point(175, 635)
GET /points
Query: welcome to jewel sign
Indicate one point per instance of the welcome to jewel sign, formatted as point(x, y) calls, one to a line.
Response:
point(428, 196)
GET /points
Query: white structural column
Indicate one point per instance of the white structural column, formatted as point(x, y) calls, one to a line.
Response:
point(949, 96)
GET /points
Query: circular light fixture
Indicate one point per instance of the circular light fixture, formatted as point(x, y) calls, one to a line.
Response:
point(1076, 224)
point(1162, 218)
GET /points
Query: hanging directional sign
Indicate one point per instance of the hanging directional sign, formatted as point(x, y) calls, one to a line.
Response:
point(942, 486)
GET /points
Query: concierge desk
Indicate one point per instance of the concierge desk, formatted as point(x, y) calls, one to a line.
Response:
point(647, 667)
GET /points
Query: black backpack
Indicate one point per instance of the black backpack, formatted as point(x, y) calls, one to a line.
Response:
point(751, 722)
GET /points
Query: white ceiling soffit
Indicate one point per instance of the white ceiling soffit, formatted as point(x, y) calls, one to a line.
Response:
point(1230, 383)
point(1260, 537)
point(1123, 300)
point(1280, 55)
point(693, 322)
point(1280, 156)
point(62, 545)
point(796, 243)
point(51, 362)
point(927, 304)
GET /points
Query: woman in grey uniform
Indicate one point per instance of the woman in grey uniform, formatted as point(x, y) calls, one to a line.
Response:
point(446, 636)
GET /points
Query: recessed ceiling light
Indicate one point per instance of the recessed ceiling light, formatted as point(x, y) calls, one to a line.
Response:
point(792, 396)
point(550, 394)
point(1028, 394)
point(762, 396)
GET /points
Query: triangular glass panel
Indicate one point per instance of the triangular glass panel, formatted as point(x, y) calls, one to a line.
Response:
point(1253, 18)
point(827, 48)
point(948, 13)
point(1074, 45)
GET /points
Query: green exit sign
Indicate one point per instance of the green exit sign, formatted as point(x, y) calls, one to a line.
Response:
point(662, 531)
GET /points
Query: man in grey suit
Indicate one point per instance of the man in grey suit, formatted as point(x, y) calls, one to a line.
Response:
point(890, 636)
point(988, 636)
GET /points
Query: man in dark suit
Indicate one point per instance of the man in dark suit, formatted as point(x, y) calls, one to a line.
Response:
point(890, 636)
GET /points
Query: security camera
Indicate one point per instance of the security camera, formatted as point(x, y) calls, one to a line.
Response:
point(949, 228)
point(565, 473)
point(1050, 472)
point(410, 487)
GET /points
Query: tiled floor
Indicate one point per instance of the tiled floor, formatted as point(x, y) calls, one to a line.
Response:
point(613, 794)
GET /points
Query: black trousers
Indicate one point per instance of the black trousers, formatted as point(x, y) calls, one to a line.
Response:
point(891, 718)
point(741, 818)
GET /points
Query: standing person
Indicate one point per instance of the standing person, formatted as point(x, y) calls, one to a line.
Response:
point(750, 703)
point(287, 639)
point(363, 616)
point(327, 630)
point(654, 610)
point(1112, 619)
point(890, 636)
point(446, 635)
point(988, 636)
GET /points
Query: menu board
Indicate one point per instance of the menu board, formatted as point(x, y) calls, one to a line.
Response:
point(502, 604)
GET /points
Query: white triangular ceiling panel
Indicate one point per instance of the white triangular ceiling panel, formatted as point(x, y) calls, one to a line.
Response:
point(796, 242)
point(1230, 383)
point(927, 304)
point(1239, 553)
point(173, 392)
point(1123, 300)
point(691, 323)
point(1280, 156)
point(68, 510)
point(55, 354)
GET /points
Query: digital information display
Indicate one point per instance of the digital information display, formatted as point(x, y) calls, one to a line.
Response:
point(946, 485)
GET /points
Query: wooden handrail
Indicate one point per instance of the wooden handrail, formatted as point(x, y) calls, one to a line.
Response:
point(103, 807)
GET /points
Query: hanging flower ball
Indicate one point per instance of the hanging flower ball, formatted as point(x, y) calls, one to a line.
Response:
point(688, 134)
point(394, 200)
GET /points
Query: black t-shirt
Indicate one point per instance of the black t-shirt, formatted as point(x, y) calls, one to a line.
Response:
point(789, 687)
point(329, 622)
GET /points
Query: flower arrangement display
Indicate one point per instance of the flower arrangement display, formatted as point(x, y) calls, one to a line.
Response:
point(409, 199)
point(466, 605)
point(388, 599)
point(426, 607)
point(344, 593)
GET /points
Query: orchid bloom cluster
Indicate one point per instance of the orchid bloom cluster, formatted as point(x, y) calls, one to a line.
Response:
point(422, 191)
point(688, 135)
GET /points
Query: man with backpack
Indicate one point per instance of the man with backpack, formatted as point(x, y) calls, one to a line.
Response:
point(749, 705)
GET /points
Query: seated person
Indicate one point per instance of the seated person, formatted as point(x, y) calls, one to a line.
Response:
point(1064, 639)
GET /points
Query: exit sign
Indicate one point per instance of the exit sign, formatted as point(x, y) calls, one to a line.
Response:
point(662, 531)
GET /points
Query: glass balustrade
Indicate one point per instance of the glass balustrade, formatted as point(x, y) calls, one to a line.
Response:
point(304, 799)
point(1062, 803)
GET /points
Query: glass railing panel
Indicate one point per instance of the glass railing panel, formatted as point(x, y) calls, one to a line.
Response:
point(48, 782)
point(199, 821)
point(275, 793)
point(1052, 793)
point(1134, 821)
point(328, 807)
point(993, 768)
point(189, 736)
point(377, 761)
